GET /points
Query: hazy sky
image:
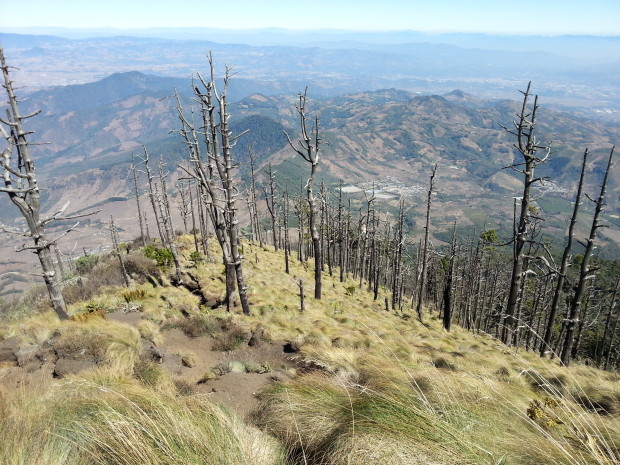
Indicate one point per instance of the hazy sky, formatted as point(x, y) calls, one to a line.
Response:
point(548, 17)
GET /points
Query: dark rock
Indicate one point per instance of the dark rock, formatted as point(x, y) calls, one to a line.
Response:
point(7, 355)
point(291, 347)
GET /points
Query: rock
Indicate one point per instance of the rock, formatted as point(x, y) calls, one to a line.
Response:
point(257, 337)
point(7, 355)
point(152, 352)
point(67, 366)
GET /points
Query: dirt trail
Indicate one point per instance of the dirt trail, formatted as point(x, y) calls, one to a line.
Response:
point(236, 376)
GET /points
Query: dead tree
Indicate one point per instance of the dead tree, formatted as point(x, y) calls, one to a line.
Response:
point(272, 208)
point(254, 213)
point(308, 148)
point(606, 328)
point(447, 290)
point(546, 344)
point(183, 203)
point(527, 146)
point(155, 198)
point(210, 146)
point(287, 241)
point(161, 209)
point(117, 250)
point(398, 254)
point(585, 272)
point(134, 171)
point(20, 184)
point(424, 259)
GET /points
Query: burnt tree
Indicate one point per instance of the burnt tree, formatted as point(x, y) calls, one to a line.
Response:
point(528, 147)
point(210, 144)
point(308, 148)
point(585, 272)
point(19, 182)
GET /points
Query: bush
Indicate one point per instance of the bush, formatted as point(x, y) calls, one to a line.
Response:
point(141, 267)
point(230, 340)
point(85, 264)
point(163, 257)
point(196, 325)
point(87, 287)
point(133, 295)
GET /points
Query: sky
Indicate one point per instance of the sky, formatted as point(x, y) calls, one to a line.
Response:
point(540, 17)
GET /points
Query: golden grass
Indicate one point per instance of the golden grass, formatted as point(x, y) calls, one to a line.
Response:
point(105, 419)
point(382, 388)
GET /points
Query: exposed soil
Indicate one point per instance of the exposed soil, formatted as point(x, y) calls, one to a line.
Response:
point(186, 359)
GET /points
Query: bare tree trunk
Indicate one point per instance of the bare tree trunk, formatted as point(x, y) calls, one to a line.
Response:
point(272, 207)
point(527, 146)
point(302, 303)
point(254, 209)
point(117, 249)
point(20, 183)
point(183, 204)
point(287, 242)
point(398, 253)
point(422, 280)
point(192, 209)
point(545, 347)
point(610, 311)
point(584, 272)
point(166, 218)
point(447, 291)
point(154, 197)
point(309, 151)
point(61, 268)
point(134, 171)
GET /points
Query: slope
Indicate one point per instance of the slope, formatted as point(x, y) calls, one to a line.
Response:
point(364, 386)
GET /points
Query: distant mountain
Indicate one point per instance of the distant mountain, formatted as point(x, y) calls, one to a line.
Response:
point(387, 138)
point(109, 90)
point(591, 48)
point(346, 63)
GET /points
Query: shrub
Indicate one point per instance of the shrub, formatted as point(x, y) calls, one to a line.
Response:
point(86, 263)
point(230, 340)
point(196, 325)
point(150, 331)
point(598, 400)
point(183, 387)
point(163, 257)
point(188, 359)
point(141, 267)
point(444, 364)
point(259, 368)
point(150, 374)
point(552, 384)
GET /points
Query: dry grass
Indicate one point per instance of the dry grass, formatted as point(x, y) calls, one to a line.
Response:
point(379, 387)
point(109, 420)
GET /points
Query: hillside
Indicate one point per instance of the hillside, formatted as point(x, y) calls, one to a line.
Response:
point(387, 139)
point(160, 375)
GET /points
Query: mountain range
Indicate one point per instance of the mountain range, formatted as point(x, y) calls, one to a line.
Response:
point(386, 139)
point(577, 72)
